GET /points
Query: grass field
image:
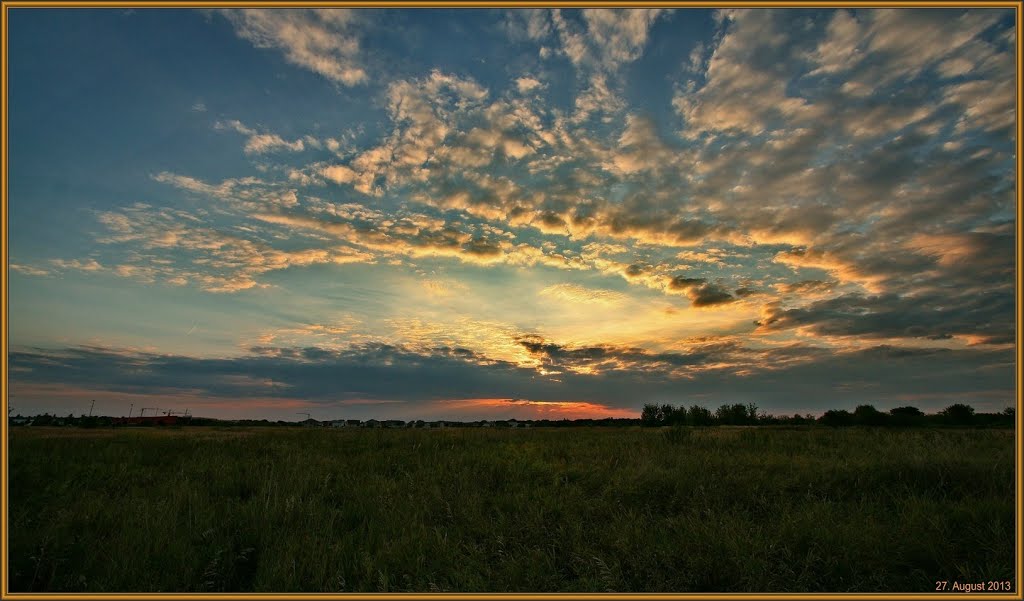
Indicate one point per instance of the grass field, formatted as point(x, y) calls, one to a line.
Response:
point(561, 509)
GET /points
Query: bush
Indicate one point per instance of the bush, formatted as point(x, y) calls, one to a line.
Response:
point(837, 417)
point(905, 416)
point(958, 414)
point(867, 415)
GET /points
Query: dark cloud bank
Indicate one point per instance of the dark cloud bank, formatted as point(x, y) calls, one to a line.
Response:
point(792, 378)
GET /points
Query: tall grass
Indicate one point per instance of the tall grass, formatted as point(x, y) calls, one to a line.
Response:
point(720, 509)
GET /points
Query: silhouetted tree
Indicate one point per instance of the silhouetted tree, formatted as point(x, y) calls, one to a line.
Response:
point(699, 416)
point(958, 414)
point(649, 415)
point(733, 415)
point(836, 417)
point(906, 416)
point(867, 415)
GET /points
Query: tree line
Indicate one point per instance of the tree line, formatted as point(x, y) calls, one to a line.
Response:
point(738, 414)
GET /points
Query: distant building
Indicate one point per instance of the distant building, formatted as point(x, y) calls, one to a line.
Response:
point(371, 423)
point(150, 420)
point(393, 423)
point(346, 423)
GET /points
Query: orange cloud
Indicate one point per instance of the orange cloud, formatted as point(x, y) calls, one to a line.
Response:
point(841, 269)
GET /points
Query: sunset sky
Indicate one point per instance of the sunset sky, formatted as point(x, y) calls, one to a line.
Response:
point(465, 214)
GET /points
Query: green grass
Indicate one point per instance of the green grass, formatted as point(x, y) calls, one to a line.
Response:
point(567, 509)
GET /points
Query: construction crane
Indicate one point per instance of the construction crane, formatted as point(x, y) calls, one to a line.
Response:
point(142, 412)
point(306, 414)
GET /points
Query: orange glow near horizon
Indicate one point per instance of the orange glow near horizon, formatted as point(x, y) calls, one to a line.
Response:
point(115, 403)
point(527, 409)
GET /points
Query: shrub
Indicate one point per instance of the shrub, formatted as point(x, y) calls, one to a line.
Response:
point(837, 417)
point(905, 416)
point(867, 415)
point(958, 414)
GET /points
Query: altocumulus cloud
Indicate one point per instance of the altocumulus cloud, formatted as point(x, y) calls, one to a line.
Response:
point(805, 207)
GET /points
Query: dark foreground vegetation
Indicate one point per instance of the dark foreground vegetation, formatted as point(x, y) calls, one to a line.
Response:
point(538, 509)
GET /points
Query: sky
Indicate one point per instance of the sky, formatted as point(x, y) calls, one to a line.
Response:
point(529, 213)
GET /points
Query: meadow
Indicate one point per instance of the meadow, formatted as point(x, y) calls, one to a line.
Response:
point(542, 509)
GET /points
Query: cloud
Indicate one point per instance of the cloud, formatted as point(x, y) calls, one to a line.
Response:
point(527, 24)
point(839, 184)
point(324, 41)
point(192, 252)
point(610, 376)
point(620, 35)
point(443, 289)
point(29, 269)
point(422, 111)
point(259, 143)
point(596, 99)
point(76, 264)
point(527, 84)
point(816, 167)
point(641, 149)
point(806, 287)
point(986, 106)
point(701, 292)
point(934, 316)
point(247, 193)
point(746, 79)
point(611, 37)
point(575, 294)
point(339, 174)
point(844, 271)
